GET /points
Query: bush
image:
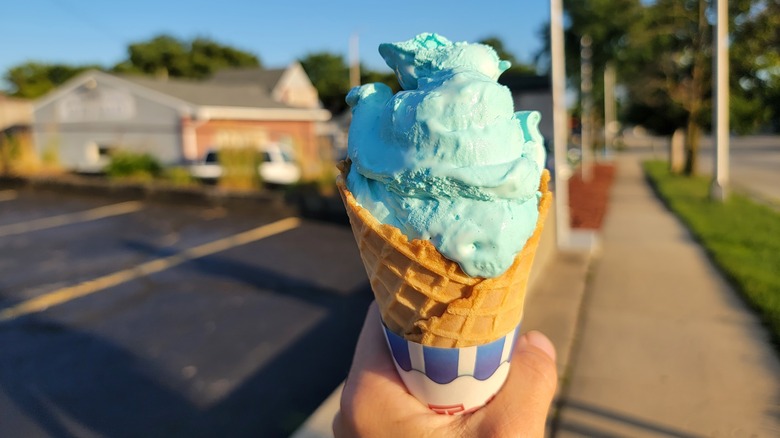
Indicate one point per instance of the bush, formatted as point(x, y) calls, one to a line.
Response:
point(239, 168)
point(133, 165)
point(18, 155)
point(179, 176)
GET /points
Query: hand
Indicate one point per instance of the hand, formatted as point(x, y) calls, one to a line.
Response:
point(375, 402)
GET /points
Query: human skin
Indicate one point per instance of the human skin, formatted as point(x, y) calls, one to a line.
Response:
point(375, 402)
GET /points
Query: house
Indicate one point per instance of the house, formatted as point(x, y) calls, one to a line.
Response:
point(179, 121)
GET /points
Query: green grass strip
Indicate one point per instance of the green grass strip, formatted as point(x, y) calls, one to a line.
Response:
point(741, 236)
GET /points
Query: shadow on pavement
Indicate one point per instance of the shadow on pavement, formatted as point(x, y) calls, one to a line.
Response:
point(600, 415)
point(71, 382)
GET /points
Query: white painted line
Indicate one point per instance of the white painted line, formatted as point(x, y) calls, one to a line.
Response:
point(64, 295)
point(7, 195)
point(71, 218)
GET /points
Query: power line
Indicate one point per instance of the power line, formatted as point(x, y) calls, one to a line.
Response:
point(85, 18)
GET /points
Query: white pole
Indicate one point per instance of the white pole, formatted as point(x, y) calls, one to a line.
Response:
point(720, 117)
point(560, 137)
point(586, 93)
point(610, 124)
point(354, 64)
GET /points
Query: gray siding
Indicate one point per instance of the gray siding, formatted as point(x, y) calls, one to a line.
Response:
point(105, 115)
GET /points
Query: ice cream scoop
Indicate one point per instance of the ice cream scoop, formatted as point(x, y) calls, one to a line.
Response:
point(447, 197)
point(447, 159)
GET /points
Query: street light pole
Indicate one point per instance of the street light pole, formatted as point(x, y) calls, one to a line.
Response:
point(560, 134)
point(610, 123)
point(354, 61)
point(586, 93)
point(720, 117)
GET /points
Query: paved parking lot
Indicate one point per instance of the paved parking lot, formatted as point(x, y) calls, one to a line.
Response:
point(126, 319)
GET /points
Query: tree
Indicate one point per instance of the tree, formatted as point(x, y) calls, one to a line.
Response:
point(208, 56)
point(330, 75)
point(671, 58)
point(33, 79)
point(498, 45)
point(755, 66)
point(609, 24)
point(389, 78)
point(196, 59)
point(672, 62)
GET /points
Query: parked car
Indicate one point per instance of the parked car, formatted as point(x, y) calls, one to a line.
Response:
point(276, 167)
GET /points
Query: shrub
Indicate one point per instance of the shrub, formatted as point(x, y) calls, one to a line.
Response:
point(18, 154)
point(239, 168)
point(133, 165)
point(179, 176)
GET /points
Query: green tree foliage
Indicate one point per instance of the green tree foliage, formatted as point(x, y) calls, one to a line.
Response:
point(671, 73)
point(33, 79)
point(672, 69)
point(498, 45)
point(755, 66)
point(662, 51)
point(196, 59)
point(389, 78)
point(330, 75)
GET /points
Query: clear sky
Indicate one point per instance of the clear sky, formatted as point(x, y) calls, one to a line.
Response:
point(277, 31)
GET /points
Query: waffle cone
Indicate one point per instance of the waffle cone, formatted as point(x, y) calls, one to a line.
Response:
point(427, 298)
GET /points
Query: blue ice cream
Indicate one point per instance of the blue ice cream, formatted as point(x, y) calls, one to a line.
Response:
point(447, 159)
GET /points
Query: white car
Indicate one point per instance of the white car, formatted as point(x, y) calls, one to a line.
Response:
point(277, 166)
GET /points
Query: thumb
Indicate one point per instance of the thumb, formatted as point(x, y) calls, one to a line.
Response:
point(524, 401)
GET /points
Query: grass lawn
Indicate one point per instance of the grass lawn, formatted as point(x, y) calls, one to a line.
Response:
point(741, 236)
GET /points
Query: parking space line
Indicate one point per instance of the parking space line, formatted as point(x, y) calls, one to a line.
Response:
point(7, 195)
point(71, 218)
point(64, 295)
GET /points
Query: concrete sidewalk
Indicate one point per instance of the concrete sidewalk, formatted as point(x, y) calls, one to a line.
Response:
point(665, 347)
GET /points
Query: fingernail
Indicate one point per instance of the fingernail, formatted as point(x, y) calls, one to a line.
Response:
point(540, 341)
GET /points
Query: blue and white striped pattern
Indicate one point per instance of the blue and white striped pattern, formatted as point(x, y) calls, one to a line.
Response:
point(443, 365)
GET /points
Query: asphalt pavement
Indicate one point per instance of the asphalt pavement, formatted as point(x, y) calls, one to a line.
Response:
point(122, 318)
point(754, 165)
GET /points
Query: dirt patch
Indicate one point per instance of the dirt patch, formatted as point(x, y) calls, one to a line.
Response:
point(588, 201)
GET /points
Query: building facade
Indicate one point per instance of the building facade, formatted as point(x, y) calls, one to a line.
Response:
point(179, 121)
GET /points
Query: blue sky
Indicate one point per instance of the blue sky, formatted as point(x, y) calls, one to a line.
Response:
point(278, 31)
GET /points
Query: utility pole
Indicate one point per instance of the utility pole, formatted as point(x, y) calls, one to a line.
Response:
point(720, 117)
point(610, 121)
point(354, 58)
point(586, 93)
point(560, 130)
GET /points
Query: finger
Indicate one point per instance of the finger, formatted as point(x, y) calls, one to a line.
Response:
point(371, 352)
point(524, 401)
point(373, 387)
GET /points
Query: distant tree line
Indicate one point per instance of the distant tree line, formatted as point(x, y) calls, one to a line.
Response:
point(162, 55)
